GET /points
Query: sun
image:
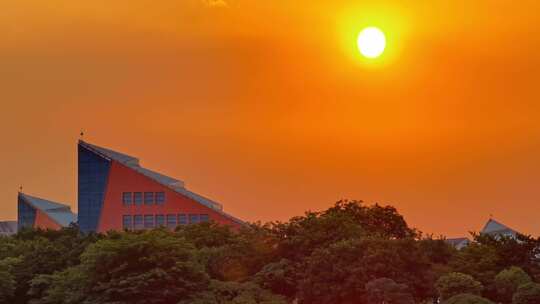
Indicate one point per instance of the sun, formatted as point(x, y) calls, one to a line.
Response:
point(371, 42)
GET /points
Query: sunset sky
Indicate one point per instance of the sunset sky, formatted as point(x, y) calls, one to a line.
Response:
point(267, 107)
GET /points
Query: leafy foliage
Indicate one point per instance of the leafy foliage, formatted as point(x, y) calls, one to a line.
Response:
point(339, 273)
point(456, 283)
point(351, 253)
point(387, 291)
point(527, 294)
point(149, 267)
point(279, 277)
point(467, 299)
point(7, 279)
point(234, 293)
point(488, 255)
point(508, 281)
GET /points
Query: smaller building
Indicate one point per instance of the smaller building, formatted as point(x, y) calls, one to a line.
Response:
point(8, 228)
point(492, 228)
point(458, 243)
point(495, 228)
point(40, 213)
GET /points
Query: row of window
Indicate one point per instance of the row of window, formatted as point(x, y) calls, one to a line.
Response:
point(149, 221)
point(137, 198)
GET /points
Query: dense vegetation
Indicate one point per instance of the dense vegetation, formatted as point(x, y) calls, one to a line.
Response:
point(348, 254)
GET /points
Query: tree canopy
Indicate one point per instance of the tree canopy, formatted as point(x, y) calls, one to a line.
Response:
point(528, 293)
point(351, 253)
point(508, 281)
point(465, 298)
point(456, 283)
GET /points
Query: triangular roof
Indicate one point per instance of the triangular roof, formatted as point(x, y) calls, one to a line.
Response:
point(133, 163)
point(495, 227)
point(110, 154)
point(167, 181)
point(60, 213)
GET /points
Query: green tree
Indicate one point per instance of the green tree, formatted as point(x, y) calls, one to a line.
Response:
point(299, 237)
point(279, 277)
point(467, 299)
point(234, 293)
point(147, 267)
point(340, 272)
point(376, 220)
point(42, 252)
point(209, 234)
point(64, 287)
point(387, 291)
point(528, 293)
point(437, 250)
point(488, 255)
point(520, 251)
point(457, 283)
point(241, 255)
point(508, 281)
point(7, 279)
point(481, 262)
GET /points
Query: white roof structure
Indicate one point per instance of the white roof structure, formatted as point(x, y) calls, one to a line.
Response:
point(8, 228)
point(458, 243)
point(494, 227)
point(60, 213)
point(172, 183)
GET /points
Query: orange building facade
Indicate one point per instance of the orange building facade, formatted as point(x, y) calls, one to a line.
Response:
point(116, 193)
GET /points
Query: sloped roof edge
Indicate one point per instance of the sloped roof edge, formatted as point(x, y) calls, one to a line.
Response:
point(60, 213)
point(169, 182)
point(494, 226)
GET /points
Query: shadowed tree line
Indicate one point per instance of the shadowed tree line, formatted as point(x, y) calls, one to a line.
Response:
point(349, 254)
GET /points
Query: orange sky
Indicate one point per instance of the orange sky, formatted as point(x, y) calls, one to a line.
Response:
point(262, 106)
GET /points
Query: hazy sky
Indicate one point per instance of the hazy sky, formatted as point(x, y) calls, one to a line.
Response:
point(265, 106)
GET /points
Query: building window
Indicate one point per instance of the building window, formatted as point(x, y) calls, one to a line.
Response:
point(171, 221)
point(126, 222)
point(204, 218)
point(194, 218)
point(138, 222)
point(137, 198)
point(148, 221)
point(160, 220)
point(160, 198)
point(126, 198)
point(182, 219)
point(148, 198)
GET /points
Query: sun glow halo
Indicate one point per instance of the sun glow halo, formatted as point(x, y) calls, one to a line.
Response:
point(371, 42)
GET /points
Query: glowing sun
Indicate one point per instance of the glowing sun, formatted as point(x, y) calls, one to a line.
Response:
point(371, 42)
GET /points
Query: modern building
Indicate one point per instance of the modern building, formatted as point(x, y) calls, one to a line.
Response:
point(492, 227)
point(495, 228)
point(40, 213)
point(8, 228)
point(459, 243)
point(116, 193)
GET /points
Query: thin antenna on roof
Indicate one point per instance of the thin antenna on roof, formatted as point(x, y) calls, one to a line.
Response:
point(82, 133)
point(491, 216)
point(20, 189)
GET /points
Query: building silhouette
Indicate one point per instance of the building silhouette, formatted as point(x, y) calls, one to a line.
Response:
point(35, 212)
point(116, 193)
point(493, 228)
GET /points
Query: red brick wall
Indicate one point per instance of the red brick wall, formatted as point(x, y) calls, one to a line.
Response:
point(124, 179)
